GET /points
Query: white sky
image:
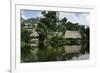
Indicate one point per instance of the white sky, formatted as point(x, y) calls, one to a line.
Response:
point(82, 18)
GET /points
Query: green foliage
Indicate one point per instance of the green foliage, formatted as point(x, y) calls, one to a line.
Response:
point(49, 24)
point(51, 31)
point(72, 26)
point(25, 42)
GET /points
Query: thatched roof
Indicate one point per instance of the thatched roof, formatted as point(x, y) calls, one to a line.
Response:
point(72, 34)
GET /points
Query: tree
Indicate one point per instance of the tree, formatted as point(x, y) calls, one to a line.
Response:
point(50, 24)
point(46, 24)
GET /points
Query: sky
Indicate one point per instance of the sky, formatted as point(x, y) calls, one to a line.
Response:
point(75, 17)
point(26, 14)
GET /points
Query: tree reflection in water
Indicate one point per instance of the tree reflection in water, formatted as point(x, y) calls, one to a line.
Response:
point(55, 52)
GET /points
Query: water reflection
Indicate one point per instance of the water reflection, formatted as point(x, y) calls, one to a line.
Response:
point(54, 52)
point(72, 48)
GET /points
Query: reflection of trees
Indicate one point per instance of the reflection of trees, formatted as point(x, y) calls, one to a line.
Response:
point(49, 53)
point(55, 53)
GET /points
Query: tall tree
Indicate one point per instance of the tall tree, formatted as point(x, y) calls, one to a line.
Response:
point(50, 24)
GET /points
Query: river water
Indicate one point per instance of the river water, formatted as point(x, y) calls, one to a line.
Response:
point(45, 53)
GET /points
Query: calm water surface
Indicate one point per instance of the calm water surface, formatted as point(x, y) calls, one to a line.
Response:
point(54, 52)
